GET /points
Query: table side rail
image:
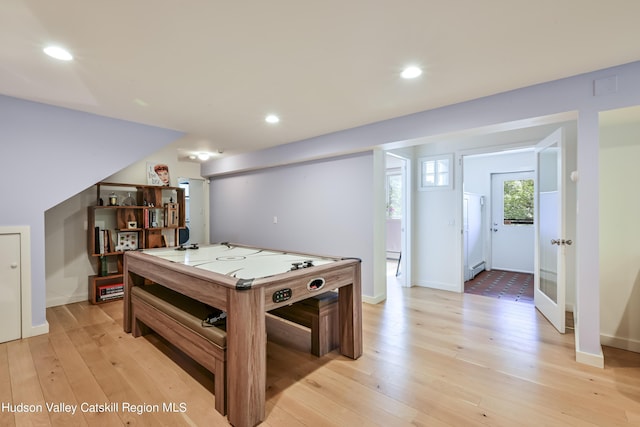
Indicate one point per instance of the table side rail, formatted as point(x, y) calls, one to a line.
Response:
point(298, 285)
point(179, 279)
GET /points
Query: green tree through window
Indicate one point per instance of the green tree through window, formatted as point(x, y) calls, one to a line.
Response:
point(518, 201)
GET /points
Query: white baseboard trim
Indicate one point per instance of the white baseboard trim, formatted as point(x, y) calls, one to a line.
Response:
point(439, 285)
point(621, 343)
point(595, 360)
point(36, 330)
point(592, 359)
point(374, 300)
point(67, 299)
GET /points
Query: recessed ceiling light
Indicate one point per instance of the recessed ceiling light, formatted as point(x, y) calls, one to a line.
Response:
point(58, 53)
point(411, 72)
point(204, 156)
point(272, 118)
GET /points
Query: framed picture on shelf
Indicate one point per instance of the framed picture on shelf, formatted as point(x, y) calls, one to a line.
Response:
point(127, 241)
point(158, 174)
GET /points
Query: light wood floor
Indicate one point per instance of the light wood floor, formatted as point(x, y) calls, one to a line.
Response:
point(431, 358)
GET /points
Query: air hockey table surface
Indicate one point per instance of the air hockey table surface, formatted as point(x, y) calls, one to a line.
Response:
point(241, 262)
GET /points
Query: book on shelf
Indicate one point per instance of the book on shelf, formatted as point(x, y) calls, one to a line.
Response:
point(107, 292)
point(103, 241)
point(106, 237)
point(111, 289)
point(98, 247)
point(109, 297)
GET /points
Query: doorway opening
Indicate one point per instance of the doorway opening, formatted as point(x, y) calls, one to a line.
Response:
point(396, 220)
point(498, 218)
point(195, 230)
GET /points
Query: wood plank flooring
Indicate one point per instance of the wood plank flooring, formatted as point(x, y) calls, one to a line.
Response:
point(431, 358)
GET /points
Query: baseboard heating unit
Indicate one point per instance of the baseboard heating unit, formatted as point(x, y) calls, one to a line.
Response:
point(473, 271)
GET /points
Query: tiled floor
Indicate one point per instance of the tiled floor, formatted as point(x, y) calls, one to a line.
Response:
point(507, 285)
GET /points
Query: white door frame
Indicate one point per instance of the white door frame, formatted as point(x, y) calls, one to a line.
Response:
point(496, 149)
point(405, 224)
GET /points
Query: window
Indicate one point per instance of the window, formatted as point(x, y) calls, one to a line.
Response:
point(518, 202)
point(394, 194)
point(436, 172)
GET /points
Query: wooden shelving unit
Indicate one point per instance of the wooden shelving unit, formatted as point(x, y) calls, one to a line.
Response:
point(152, 217)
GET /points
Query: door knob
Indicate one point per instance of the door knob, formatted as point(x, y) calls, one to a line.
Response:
point(561, 242)
point(14, 265)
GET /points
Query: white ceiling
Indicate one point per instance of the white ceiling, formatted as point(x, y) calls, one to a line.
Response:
point(214, 69)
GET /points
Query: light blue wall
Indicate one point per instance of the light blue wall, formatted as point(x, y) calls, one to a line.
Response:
point(316, 205)
point(48, 154)
point(574, 94)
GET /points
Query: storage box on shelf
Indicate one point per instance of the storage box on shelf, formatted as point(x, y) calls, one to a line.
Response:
point(129, 217)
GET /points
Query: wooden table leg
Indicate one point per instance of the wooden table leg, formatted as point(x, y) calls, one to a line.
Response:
point(350, 315)
point(246, 357)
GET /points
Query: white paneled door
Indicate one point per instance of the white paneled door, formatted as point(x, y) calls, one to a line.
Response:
point(10, 304)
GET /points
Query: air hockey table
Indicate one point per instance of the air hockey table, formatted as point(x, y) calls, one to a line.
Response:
point(246, 282)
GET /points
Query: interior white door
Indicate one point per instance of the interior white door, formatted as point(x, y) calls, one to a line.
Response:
point(10, 308)
point(550, 285)
point(512, 244)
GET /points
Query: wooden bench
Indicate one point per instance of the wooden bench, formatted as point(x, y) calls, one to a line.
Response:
point(178, 319)
point(313, 321)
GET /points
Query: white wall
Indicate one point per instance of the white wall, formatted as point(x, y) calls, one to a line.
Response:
point(48, 154)
point(436, 230)
point(67, 263)
point(573, 95)
point(477, 179)
point(619, 236)
point(322, 207)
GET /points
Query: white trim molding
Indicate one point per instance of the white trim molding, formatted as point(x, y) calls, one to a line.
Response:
point(592, 359)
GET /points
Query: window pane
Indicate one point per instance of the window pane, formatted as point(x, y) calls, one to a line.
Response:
point(429, 167)
point(443, 178)
point(394, 196)
point(518, 202)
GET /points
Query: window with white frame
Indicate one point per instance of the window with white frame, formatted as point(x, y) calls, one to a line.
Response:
point(436, 172)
